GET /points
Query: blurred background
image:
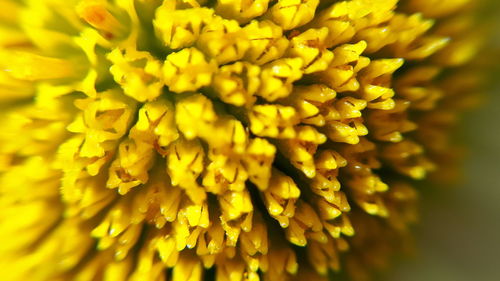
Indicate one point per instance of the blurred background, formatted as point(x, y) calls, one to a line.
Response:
point(458, 238)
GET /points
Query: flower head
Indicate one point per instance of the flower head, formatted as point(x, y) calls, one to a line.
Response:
point(250, 140)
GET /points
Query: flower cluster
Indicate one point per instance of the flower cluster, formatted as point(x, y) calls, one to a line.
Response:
point(231, 139)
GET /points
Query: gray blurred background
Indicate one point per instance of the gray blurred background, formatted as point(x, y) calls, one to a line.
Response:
point(458, 238)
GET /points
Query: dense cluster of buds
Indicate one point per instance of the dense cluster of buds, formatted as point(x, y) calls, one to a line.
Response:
point(231, 139)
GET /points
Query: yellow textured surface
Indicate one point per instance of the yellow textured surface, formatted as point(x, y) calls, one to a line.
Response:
point(270, 140)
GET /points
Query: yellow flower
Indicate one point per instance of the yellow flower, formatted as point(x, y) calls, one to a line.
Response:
point(238, 140)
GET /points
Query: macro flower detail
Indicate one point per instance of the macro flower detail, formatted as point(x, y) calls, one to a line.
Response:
point(223, 140)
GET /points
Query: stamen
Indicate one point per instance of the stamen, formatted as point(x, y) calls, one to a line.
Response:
point(95, 13)
point(31, 67)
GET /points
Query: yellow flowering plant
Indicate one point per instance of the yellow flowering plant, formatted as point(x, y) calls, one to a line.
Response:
point(237, 140)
